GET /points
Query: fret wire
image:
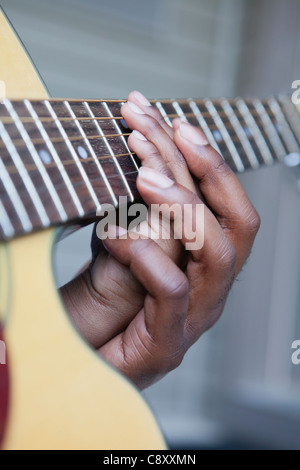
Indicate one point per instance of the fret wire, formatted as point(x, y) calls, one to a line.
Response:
point(288, 136)
point(163, 113)
point(19, 165)
point(113, 156)
point(15, 198)
point(226, 136)
point(241, 133)
point(99, 166)
point(56, 158)
point(120, 134)
point(204, 126)
point(94, 159)
point(270, 129)
point(39, 165)
point(179, 111)
point(5, 223)
point(73, 153)
point(256, 132)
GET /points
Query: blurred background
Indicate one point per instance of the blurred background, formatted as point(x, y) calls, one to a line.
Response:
point(237, 388)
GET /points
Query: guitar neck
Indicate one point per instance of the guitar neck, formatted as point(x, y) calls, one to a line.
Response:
point(61, 160)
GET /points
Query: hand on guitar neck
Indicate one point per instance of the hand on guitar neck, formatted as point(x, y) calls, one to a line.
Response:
point(143, 303)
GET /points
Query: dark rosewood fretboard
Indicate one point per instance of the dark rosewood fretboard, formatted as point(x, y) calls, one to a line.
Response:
point(60, 160)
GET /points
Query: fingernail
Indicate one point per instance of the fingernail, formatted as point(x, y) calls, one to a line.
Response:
point(114, 231)
point(141, 98)
point(154, 178)
point(195, 136)
point(139, 136)
point(135, 108)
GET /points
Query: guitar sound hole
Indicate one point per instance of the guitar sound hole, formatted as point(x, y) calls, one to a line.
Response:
point(72, 252)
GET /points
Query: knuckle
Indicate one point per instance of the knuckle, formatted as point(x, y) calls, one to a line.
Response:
point(174, 361)
point(248, 221)
point(166, 171)
point(218, 164)
point(152, 156)
point(214, 162)
point(178, 287)
point(193, 329)
point(156, 114)
point(254, 221)
point(170, 358)
point(152, 127)
point(164, 357)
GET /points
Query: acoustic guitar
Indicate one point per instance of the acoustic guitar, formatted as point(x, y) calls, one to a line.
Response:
point(60, 160)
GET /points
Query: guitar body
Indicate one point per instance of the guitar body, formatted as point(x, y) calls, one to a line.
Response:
point(62, 395)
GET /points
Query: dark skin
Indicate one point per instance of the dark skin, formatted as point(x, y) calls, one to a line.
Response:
point(143, 303)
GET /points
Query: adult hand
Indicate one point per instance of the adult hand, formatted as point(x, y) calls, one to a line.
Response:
point(142, 304)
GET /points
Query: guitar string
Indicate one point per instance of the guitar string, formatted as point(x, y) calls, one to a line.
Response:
point(163, 101)
point(8, 120)
point(58, 140)
point(68, 162)
point(31, 168)
point(27, 119)
point(19, 142)
point(152, 101)
point(38, 141)
point(213, 126)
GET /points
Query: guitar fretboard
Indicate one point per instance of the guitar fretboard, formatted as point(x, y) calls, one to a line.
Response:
point(61, 160)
